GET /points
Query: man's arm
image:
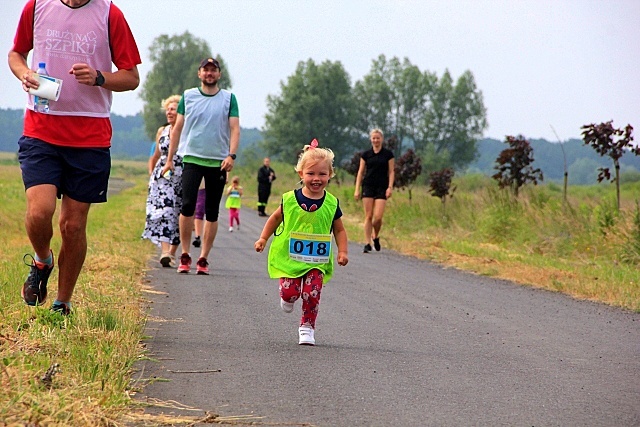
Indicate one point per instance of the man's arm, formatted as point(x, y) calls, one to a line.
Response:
point(20, 69)
point(120, 81)
point(234, 141)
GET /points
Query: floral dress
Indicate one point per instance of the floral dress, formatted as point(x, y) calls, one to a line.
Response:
point(164, 199)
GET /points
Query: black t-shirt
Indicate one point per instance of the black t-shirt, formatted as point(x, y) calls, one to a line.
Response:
point(311, 205)
point(377, 168)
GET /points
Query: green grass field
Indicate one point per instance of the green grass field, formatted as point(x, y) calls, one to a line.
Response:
point(584, 248)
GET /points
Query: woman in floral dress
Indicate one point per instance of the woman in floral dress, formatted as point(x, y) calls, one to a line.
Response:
point(165, 192)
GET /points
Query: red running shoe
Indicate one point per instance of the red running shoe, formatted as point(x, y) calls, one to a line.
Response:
point(202, 266)
point(185, 263)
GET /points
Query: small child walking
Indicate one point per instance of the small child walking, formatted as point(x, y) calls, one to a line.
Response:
point(301, 254)
point(234, 202)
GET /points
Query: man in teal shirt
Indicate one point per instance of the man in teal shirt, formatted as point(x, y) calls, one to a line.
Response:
point(206, 135)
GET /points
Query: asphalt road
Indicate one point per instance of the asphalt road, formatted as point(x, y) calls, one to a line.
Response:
point(400, 342)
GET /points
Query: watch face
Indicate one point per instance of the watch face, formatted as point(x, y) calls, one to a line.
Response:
point(99, 79)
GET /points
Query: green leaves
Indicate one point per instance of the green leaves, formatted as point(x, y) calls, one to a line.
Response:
point(176, 59)
point(315, 102)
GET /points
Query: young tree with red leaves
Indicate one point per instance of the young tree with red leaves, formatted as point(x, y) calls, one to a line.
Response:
point(602, 138)
point(440, 184)
point(407, 169)
point(514, 165)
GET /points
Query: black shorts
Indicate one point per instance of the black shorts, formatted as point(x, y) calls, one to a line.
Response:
point(214, 182)
point(80, 173)
point(374, 192)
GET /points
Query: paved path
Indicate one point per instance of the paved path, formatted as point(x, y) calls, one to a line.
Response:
point(400, 342)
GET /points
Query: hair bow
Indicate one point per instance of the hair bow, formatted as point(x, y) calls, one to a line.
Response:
point(313, 144)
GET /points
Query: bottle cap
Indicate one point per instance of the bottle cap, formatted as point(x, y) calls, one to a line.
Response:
point(42, 64)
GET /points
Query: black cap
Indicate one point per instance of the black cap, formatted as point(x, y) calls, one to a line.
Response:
point(212, 61)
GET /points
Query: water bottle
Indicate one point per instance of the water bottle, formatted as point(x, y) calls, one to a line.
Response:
point(41, 105)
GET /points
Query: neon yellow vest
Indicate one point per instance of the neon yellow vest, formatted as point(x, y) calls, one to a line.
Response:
point(296, 219)
point(233, 199)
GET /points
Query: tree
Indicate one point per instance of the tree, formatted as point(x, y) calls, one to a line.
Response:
point(601, 138)
point(315, 102)
point(514, 165)
point(175, 64)
point(392, 97)
point(440, 184)
point(407, 167)
point(435, 116)
point(352, 165)
point(455, 120)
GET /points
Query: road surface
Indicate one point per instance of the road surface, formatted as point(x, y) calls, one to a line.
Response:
point(400, 342)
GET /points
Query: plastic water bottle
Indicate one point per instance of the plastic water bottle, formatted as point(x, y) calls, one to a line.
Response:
point(41, 105)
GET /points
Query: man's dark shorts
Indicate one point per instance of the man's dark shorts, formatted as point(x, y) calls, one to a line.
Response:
point(79, 173)
point(374, 192)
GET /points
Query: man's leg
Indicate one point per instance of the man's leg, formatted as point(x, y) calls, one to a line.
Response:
point(41, 205)
point(210, 232)
point(191, 179)
point(214, 182)
point(73, 229)
point(186, 228)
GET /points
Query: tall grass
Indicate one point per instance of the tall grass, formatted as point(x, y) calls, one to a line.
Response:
point(93, 349)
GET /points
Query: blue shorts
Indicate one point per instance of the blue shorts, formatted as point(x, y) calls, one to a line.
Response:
point(79, 173)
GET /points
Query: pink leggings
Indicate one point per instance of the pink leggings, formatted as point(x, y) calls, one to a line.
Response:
point(234, 213)
point(310, 287)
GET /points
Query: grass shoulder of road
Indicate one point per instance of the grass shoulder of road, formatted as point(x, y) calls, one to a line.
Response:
point(583, 248)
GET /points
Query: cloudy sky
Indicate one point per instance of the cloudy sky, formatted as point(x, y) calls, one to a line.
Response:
point(538, 63)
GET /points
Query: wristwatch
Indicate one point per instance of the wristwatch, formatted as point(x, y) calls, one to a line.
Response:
point(233, 156)
point(99, 79)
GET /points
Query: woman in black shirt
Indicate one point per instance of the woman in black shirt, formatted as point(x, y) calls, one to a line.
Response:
point(374, 184)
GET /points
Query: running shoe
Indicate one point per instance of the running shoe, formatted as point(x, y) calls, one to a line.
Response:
point(34, 290)
point(376, 244)
point(202, 266)
point(287, 307)
point(306, 335)
point(61, 307)
point(230, 229)
point(197, 242)
point(185, 263)
point(367, 248)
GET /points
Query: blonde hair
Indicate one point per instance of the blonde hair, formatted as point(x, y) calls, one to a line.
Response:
point(173, 98)
point(314, 154)
point(376, 130)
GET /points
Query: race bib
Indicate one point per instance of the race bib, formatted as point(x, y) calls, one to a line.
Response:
point(310, 248)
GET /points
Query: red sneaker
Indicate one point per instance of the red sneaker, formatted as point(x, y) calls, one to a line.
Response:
point(202, 266)
point(185, 263)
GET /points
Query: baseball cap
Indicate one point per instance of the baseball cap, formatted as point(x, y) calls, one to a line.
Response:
point(212, 61)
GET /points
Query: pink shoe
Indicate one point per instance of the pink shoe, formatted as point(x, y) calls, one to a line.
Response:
point(202, 266)
point(185, 263)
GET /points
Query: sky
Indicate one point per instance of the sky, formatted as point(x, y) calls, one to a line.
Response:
point(540, 64)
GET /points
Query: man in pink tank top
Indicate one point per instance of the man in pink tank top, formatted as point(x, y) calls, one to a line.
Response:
point(64, 152)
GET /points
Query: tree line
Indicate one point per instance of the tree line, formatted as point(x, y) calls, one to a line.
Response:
point(130, 141)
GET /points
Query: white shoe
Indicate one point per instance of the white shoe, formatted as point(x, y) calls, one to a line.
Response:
point(230, 229)
point(287, 307)
point(306, 335)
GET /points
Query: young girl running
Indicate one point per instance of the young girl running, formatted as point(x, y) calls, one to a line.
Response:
point(233, 203)
point(301, 254)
